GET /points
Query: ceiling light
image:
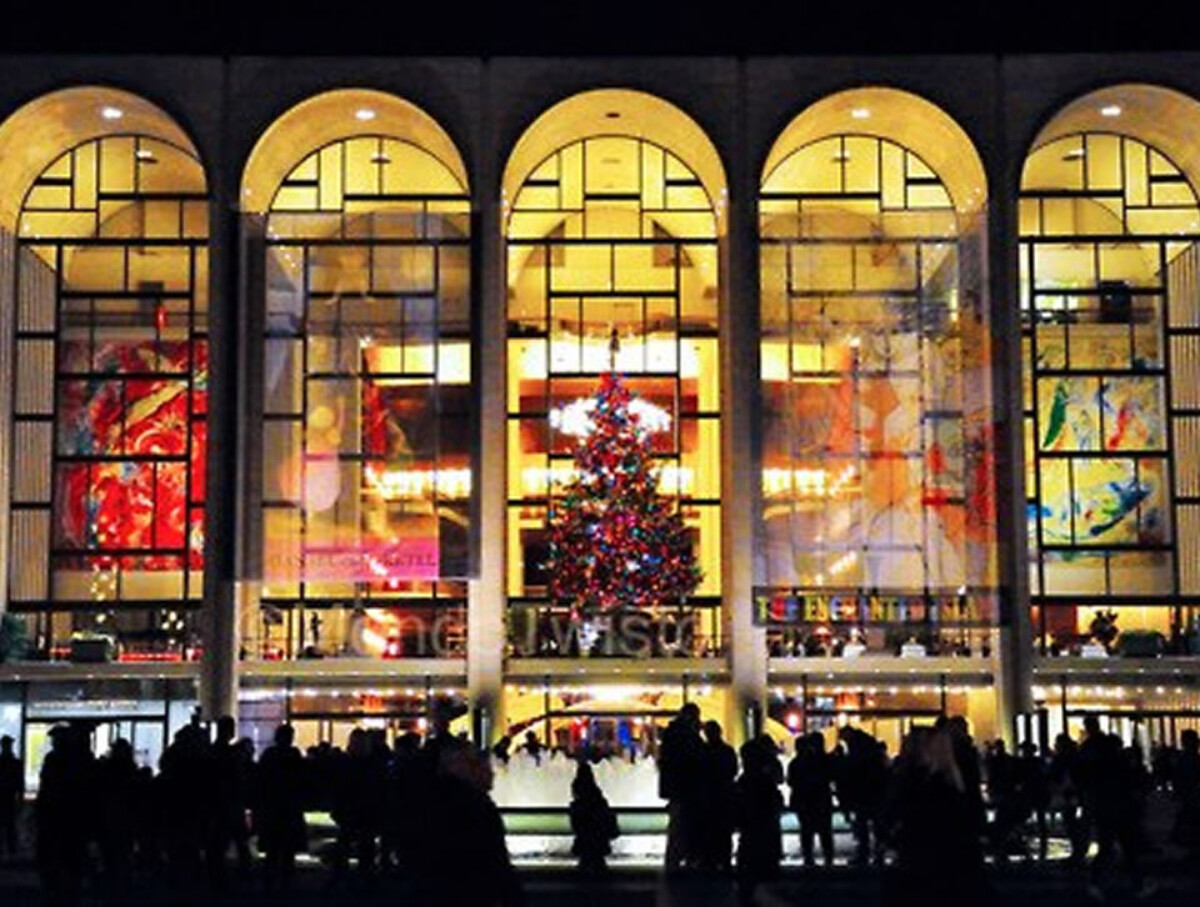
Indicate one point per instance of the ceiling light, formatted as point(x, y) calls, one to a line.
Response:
point(145, 155)
point(1110, 110)
point(112, 113)
point(380, 158)
point(1074, 154)
point(364, 114)
point(860, 113)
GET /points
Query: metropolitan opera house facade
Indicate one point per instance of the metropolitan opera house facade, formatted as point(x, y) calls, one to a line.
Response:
point(293, 354)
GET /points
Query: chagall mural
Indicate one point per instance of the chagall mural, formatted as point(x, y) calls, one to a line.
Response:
point(130, 474)
point(1108, 300)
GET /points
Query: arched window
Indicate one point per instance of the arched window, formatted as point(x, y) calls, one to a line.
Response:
point(366, 421)
point(109, 393)
point(878, 523)
point(611, 226)
point(1110, 306)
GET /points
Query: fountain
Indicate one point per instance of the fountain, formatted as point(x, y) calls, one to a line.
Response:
point(525, 783)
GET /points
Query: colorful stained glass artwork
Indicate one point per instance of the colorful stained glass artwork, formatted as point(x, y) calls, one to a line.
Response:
point(126, 414)
point(1056, 507)
point(1100, 501)
point(1133, 414)
point(1068, 413)
point(121, 504)
point(1108, 496)
point(1072, 413)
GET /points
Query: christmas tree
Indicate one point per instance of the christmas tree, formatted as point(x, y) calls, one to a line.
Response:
point(616, 542)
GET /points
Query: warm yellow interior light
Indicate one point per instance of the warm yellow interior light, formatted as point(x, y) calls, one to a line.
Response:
point(639, 115)
point(34, 136)
point(1162, 118)
point(900, 117)
point(321, 120)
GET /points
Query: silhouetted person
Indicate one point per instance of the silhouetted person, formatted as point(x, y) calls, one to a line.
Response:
point(401, 825)
point(719, 769)
point(229, 768)
point(809, 778)
point(533, 747)
point(680, 764)
point(65, 814)
point(183, 786)
point(146, 820)
point(939, 857)
point(503, 748)
point(279, 816)
point(12, 797)
point(1065, 794)
point(966, 757)
point(593, 821)
point(348, 806)
point(1185, 785)
point(1033, 792)
point(861, 778)
point(1110, 800)
point(759, 806)
point(1002, 792)
point(462, 856)
point(116, 788)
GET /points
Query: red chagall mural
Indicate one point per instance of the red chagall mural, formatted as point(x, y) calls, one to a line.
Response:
point(136, 485)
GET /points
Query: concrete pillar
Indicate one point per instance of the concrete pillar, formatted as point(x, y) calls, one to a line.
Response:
point(230, 342)
point(1014, 668)
point(740, 432)
point(486, 634)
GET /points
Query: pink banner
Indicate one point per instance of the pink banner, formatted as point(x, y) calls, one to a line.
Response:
point(404, 559)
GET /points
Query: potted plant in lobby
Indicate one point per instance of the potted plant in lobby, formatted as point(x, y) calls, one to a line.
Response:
point(1141, 644)
point(1192, 637)
point(14, 641)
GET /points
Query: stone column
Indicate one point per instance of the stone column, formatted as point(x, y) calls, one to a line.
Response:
point(740, 433)
point(486, 634)
point(235, 265)
point(1014, 655)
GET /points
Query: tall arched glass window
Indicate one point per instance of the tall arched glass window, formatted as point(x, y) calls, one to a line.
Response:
point(878, 521)
point(612, 232)
point(109, 399)
point(367, 399)
point(1110, 306)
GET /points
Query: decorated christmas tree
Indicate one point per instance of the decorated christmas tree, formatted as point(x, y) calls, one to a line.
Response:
point(616, 543)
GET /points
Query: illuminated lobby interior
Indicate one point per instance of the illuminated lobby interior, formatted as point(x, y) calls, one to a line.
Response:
point(283, 414)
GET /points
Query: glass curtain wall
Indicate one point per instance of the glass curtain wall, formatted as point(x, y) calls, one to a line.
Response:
point(878, 526)
point(367, 407)
point(1110, 306)
point(612, 234)
point(109, 403)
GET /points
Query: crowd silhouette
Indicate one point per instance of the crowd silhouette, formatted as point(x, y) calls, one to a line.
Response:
point(939, 807)
point(420, 809)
